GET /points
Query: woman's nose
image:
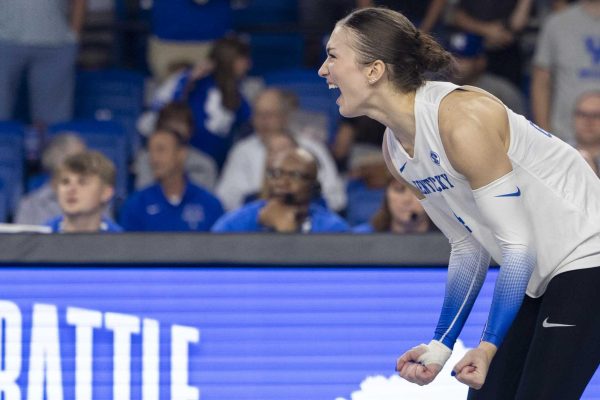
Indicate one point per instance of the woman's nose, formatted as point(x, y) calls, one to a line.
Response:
point(323, 70)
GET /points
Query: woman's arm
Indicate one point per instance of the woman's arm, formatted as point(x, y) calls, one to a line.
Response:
point(475, 133)
point(467, 269)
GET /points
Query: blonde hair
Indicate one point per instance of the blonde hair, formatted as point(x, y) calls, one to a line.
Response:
point(93, 163)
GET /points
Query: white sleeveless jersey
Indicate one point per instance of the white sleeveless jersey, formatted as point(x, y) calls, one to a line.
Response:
point(560, 191)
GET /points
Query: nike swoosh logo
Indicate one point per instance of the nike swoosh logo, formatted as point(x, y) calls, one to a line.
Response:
point(514, 194)
point(547, 324)
point(402, 167)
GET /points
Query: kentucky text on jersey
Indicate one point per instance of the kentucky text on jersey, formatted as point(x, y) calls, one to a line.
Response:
point(431, 184)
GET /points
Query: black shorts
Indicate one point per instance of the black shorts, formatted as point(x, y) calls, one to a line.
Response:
point(552, 349)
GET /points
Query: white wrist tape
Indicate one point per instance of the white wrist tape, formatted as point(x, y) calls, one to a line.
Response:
point(436, 353)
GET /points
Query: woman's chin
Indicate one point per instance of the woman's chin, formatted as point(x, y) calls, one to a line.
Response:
point(348, 112)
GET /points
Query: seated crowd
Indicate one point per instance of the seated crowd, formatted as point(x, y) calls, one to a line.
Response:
point(221, 155)
point(272, 180)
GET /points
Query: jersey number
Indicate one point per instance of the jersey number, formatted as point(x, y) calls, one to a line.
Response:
point(462, 222)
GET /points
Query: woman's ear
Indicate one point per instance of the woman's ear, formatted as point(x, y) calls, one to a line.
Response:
point(375, 71)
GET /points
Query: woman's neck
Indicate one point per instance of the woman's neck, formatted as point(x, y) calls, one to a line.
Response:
point(396, 111)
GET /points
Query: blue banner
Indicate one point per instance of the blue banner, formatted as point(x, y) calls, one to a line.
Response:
point(183, 333)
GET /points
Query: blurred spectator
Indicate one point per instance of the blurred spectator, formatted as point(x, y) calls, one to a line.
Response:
point(84, 185)
point(199, 167)
point(274, 144)
point(42, 204)
point(591, 161)
point(40, 39)
point(499, 22)
point(543, 8)
point(312, 125)
point(368, 178)
point(352, 132)
point(424, 14)
point(566, 63)
point(401, 212)
point(184, 31)
point(586, 120)
point(243, 173)
point(213, 92)
point(292, 186)
point(471, 66)
point(173, 203)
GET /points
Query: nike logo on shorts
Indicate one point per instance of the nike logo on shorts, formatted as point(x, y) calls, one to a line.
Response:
point(547, 324)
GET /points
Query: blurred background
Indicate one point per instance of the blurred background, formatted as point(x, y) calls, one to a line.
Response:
point(104, 69)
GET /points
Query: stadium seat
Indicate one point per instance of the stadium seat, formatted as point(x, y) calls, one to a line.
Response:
point(262, 14)
point(108, 137)
point(111, 95)
point(12, 160)
point(3, 202)
point(271, 51)
point(13, 185)
point(11, 141)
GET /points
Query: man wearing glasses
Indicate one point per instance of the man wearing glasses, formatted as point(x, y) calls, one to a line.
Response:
point(292, 200)
point(586, 121)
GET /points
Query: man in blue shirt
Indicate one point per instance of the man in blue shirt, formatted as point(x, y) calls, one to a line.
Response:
point(173, 203)
point(291, 188)
point(84, 184)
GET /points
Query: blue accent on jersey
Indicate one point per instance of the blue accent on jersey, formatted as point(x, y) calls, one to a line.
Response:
point(245, 219)
point(402, 167)
point(107, 225)
point(433, 184)
point(509, 292)
point(149, 210)
point(462, 222)
point(467, 269)
point(435, 157)
point(514, 194)
point(541, 130)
